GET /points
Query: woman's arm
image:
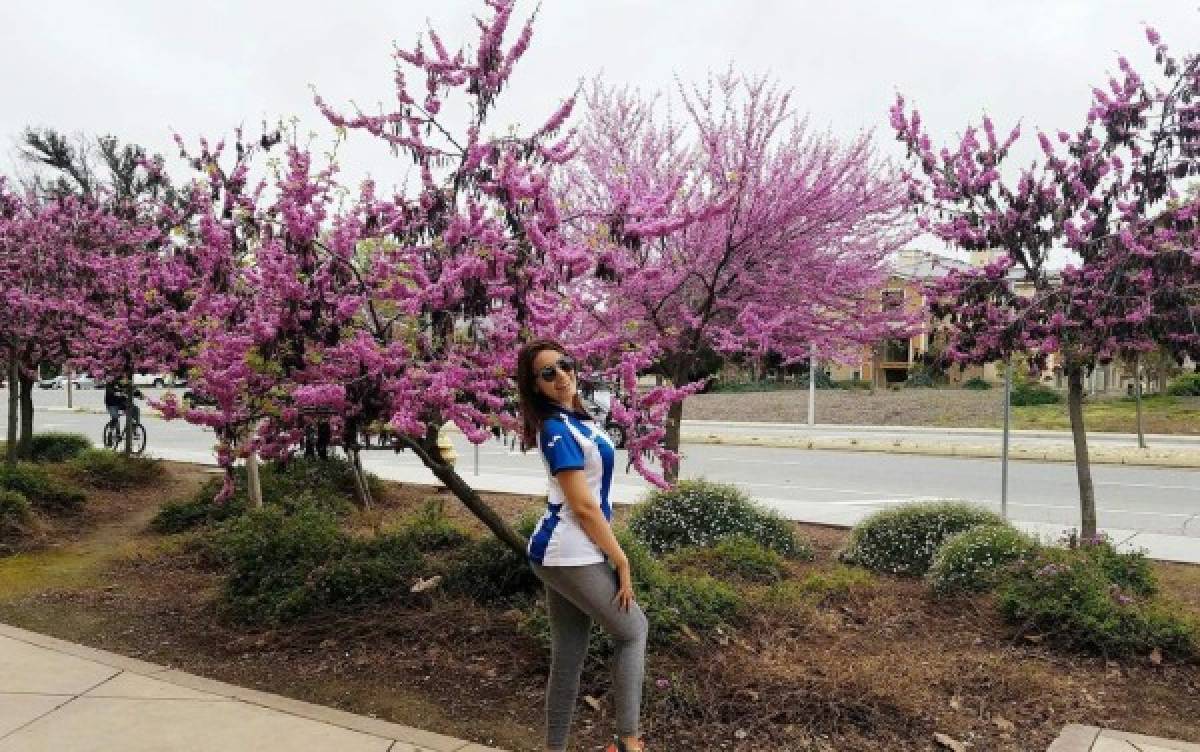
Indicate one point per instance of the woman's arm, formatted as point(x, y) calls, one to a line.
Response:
point(586, 509)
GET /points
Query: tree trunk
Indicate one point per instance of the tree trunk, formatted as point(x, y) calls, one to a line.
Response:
point(129, 415)
point(1083, 468)
point(1137, 399)
point(428, 452)
point(14, 409)
point(362, 489)
point(674, 425)
point(253, 484)
point(25, 443)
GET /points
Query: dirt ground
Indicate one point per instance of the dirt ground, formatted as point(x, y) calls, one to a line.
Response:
point(883, 667)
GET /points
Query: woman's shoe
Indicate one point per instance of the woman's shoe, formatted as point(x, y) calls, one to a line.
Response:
point(619, 746)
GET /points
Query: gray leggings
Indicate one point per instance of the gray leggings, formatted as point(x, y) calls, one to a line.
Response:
point(575, 596)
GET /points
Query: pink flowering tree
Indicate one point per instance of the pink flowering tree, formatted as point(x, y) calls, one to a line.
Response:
point(401, 311)
point(734, 229)
point(54, 269)
point(1105, 193)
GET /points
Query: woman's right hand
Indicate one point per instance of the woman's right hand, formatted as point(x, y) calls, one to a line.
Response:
point(624, 597)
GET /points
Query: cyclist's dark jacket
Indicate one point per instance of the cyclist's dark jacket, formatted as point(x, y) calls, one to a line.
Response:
point(113, 397)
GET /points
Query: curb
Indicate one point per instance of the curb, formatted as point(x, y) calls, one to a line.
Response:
point(1097, 454)
point(1077, 738)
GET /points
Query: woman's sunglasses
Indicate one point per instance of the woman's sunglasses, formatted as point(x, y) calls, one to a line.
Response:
point(549, 373)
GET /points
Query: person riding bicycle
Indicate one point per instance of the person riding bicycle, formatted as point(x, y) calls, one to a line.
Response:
point(116, 401)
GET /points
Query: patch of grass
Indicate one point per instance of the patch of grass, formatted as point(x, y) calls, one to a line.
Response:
point(114, 471)
point(16, 516)
point(489, 572)
point(431, 529)
point(737, 558)
point(1160, 414)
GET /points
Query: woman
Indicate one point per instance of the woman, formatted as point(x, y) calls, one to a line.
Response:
point(573, 549)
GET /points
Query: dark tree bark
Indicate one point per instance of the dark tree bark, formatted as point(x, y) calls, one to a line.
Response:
point(1083, 468)
point(14, 409)
point(25, 443)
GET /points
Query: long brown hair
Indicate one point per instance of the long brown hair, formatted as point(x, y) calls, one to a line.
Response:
point(535, 406)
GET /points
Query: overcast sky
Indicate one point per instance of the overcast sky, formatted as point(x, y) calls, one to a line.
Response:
point(140, 69)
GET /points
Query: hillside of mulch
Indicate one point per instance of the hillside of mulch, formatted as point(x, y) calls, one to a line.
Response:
point(883, 666)
point(906, 407)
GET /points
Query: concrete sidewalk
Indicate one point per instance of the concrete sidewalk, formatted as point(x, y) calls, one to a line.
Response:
point(1077, 738)
point(56, 695)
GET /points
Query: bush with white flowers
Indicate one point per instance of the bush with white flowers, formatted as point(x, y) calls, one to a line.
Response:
point(904, 539)
point(975, 560)
point(701, 513)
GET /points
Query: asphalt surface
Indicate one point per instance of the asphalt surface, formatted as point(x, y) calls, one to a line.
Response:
point(1147, 499)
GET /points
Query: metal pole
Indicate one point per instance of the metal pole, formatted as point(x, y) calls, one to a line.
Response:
point(812, 386)
point(69, 376)
point(1137, 396)
point(1004, 451)
point(476, 458)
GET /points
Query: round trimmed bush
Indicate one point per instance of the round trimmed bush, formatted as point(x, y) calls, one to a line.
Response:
point(700, 513)
point(975, 559)
point(904, 539)
point(977, 383)
point(58, 447)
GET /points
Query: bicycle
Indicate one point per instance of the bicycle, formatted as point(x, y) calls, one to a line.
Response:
point(114, 435)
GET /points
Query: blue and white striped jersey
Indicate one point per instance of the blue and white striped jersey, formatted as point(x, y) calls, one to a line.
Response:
point(570, 441)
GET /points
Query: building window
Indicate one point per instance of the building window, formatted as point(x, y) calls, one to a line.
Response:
point(893, 299)
point(896, 351)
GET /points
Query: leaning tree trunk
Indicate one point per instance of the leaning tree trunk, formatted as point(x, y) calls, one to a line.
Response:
point(1083, 468)
point(14, 409)
point(253, 484)
point(362, 487)
point(25, 444)
point(427, 450)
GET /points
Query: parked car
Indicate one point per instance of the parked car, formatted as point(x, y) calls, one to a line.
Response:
point(155, 380)
point(78, 381)
point(192, 398)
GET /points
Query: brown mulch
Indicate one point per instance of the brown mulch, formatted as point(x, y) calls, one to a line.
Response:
point(884, 667)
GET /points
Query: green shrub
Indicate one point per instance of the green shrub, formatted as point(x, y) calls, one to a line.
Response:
point(302, 481)
point(488, 571)
point(1025, 394)
point(284, 567)
point(860, 384)
point(904, 539)
point(1187, 385)
point(198, 510)
point(700, 513)
point(674, 604)
point(431, 530)
point(738, 558)
point(977, 383)
point(299, 484)
point(975, 560)
point(114, 471)
point(1131, 570)
point(45, 492)
point(16, 515)
point(1067, 596)
point(58, 447)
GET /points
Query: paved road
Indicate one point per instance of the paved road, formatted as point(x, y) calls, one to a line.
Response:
point(1153, 500)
